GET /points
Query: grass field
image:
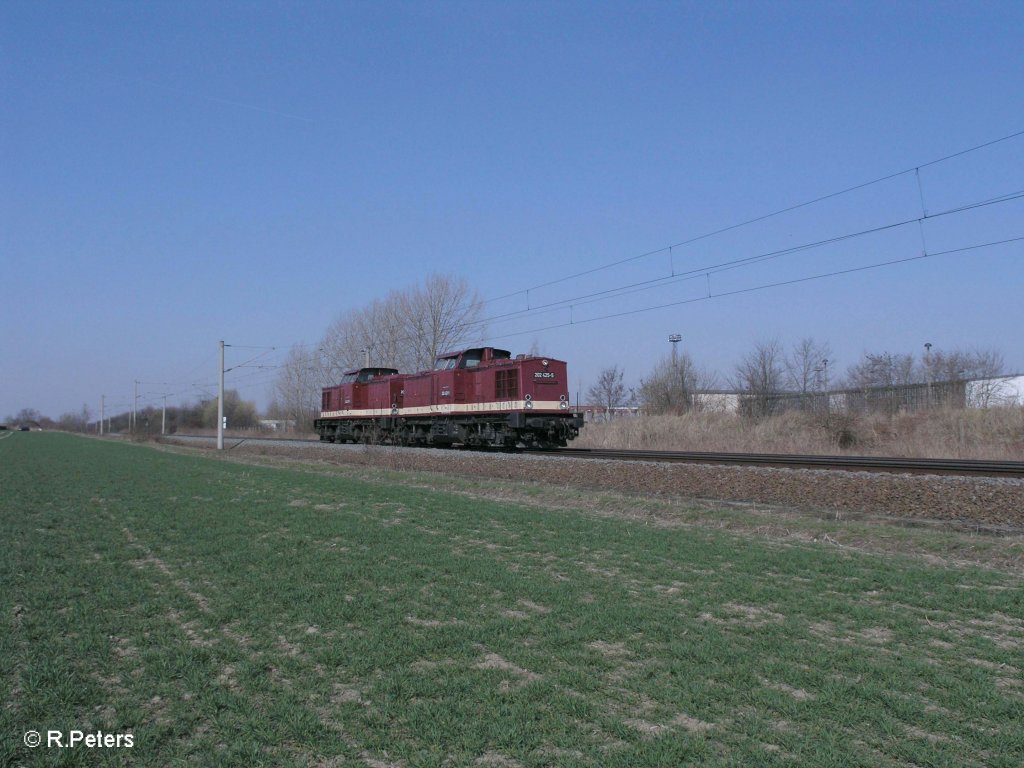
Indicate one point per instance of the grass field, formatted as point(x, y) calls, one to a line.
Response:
point(229, 614)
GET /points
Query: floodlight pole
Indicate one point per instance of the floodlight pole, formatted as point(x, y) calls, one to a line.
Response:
point(675, 338)
point(220, 402)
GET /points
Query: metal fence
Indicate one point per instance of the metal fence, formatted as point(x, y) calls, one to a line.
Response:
point(904, 398)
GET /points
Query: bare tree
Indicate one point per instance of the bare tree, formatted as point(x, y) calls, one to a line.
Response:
point(961, 365)
point(298, 386)
point(806, 365)
point(75, 422)
point(609, 391)
point(239, 413)
point(672, 385)
point(882, 370)
point(378, 331)
point(24, 416)
point(405, 330)
point(441, 315)
point(760, 375)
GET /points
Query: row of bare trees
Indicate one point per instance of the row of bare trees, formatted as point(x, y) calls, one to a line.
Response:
point(887, 370)
point(770, 370)
point(201, 414)
point(406, 330)
point(72, 421)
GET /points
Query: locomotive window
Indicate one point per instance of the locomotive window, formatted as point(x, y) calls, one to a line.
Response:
point(501, 354)
point(471, 359)
point(506, 385)
point(444, 364)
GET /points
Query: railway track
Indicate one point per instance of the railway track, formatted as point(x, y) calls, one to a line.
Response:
point(968, 467)
point(962, 467)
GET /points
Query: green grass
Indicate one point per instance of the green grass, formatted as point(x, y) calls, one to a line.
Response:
point(229, 614)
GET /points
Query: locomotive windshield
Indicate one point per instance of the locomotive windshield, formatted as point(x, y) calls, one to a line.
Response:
point(472, 358)
point(364, 375)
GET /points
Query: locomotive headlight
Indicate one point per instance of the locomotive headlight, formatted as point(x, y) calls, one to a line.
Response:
point(563, 405)
point(529, 404)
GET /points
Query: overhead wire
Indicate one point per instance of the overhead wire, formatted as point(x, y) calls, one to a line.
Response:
point(689, 274)
point(763, 217)
point(765, 286)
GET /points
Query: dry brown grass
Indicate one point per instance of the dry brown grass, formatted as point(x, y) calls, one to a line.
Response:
point(996, 433)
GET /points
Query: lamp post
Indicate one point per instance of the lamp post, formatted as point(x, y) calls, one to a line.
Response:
point(821, 383)
point(675, 338)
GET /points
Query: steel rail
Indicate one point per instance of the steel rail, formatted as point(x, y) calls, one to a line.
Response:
point(964, 467)
point(974, 467)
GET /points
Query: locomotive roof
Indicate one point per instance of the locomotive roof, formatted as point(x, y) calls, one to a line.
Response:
point(448, 355)
point(364, 375)
point(374, 371)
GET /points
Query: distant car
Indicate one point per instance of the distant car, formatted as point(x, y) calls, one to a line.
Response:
point(3, 427)
point(23, 429)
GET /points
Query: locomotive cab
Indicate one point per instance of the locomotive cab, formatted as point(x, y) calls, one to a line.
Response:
point(362, 392)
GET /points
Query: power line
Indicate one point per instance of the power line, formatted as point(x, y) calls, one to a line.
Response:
point(763, 217)
point(705, 271)
point(765, 286)
point(658, 282)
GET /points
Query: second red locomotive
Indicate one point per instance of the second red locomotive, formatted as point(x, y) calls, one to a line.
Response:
point(476, 397)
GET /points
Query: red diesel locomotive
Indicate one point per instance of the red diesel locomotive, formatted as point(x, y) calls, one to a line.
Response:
point(476, 397)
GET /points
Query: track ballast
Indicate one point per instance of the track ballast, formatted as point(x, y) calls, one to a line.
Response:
point(962, 467)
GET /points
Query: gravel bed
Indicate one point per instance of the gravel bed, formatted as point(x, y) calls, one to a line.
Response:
point(987, 502)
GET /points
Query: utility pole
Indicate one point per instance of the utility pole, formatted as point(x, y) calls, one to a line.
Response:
point(102, 398)
point(366, 358)
point(928, 369)
point(220, 402)
point(135, 408)
point(163, 418)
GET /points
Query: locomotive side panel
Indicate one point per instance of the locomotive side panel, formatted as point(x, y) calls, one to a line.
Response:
point(419, 392)
point(382, 395)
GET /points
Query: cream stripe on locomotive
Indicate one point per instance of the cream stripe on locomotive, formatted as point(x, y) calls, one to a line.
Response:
point(446, 409)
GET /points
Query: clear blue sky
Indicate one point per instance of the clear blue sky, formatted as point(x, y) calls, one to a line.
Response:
point(176, 173)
